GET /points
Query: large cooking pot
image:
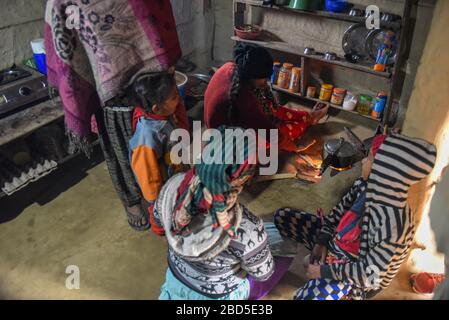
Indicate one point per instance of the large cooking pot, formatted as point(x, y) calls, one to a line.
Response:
point(338, 154)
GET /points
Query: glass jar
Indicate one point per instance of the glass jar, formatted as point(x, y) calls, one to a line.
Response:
point(364, 104)
point(326, 92)
point(338, 96)
point(284, 75)
point(311, 91)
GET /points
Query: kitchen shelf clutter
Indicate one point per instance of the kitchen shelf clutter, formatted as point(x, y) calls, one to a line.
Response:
point(300, 96)
point(360, 87)
point(323, 14)
point(282, 46)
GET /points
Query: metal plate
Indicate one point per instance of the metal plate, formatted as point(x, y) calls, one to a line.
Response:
point(374, 40)
point(354, 39)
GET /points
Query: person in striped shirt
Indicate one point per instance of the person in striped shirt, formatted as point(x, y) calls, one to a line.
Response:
point(357, 249)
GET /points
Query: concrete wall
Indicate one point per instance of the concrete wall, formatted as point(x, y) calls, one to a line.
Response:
point(224, 29)
point(428, 118)
point(23, 20)
point(20, 22)
point(195, 25)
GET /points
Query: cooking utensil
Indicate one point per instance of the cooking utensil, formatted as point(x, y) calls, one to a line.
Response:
point(301, 4)
point(338, 154)
point(330, 56)
point(354, 12)
point(374, 40)
point(309, 51)
point(248, 31)
point(353, 58)
point(354, 39)
point(387, 17)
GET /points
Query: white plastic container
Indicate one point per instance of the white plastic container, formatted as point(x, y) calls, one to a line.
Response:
point(350, 101)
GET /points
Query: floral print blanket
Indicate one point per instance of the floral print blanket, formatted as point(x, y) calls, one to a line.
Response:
point(94, 48)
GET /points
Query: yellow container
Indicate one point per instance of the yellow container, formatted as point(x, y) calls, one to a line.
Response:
point(326, 92)
point(284, 75)
point(294, 81)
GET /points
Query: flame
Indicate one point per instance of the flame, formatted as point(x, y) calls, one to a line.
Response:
point(341, 169)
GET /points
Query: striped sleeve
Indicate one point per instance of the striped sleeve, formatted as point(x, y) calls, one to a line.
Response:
point(388, 249)
point(373, 271)
point(333, 218)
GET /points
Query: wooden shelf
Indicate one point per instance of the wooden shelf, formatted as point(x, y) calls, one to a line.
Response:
point(277, 88)
point(318, 100)
point(322, 14)
point(284, 47)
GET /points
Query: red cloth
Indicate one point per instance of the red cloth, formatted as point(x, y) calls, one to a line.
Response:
point(293, 122)
point(425, 282)
point(217, 103)
point(140, 112)
point(377, 142)
point(155, 228)
point(180, 116)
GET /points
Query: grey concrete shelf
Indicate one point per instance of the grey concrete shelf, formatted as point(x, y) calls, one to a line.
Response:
point(28, 120)
point(322, 14)
point(285, 47)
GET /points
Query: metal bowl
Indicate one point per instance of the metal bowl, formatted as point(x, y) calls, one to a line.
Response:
point(354, 12)
point(387, 17)
point(309, 51)
point(330, 56)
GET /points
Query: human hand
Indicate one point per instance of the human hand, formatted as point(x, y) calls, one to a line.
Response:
point(318, 113)
point(318, 254)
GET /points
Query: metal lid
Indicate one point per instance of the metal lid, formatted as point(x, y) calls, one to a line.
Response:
point(339, 90)
point(346, 150)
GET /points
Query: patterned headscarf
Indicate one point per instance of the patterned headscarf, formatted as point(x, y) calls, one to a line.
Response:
point(206, 187)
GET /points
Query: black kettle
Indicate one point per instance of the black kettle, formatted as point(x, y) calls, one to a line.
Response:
point(342, 154)
point(338, 154)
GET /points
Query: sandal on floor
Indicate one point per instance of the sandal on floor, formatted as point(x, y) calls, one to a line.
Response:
point(134, 219)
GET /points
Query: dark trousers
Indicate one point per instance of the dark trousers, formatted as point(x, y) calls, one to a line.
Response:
point(115, 130)
point(304, 228)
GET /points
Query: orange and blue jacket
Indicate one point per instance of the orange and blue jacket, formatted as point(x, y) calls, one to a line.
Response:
point(149, 154)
